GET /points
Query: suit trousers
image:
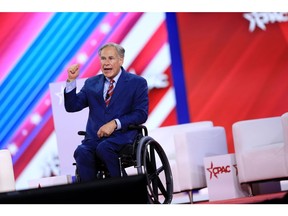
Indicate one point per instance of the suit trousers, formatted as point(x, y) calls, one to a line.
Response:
point(90, 153)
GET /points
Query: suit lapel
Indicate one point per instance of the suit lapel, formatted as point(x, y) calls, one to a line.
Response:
point(98, 86)
point(120, 86)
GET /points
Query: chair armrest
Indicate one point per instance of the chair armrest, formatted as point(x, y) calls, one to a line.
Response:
point(249, 134)
point(191, 148)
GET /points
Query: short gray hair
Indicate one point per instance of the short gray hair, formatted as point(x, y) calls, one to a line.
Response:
point(120, 50)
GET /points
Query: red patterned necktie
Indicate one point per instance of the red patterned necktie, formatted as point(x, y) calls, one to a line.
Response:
point(109, 92)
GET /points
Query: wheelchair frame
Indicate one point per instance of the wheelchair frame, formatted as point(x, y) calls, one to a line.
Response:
point(149, 158)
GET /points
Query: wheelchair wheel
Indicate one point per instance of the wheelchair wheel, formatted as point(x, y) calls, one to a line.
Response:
point(153, 162)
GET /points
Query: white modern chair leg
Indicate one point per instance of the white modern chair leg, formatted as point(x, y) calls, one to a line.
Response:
point(190, 194)
point(250, 190)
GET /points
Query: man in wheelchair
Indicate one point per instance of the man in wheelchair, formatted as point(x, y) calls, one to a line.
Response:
point(116, 99)
point(118, 106)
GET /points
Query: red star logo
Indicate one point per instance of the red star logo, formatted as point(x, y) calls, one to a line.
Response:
point(211, 171)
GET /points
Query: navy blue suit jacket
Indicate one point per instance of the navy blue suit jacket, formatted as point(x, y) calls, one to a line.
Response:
point(129, 104)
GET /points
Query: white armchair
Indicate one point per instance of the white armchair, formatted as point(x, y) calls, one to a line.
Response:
point(260, 151)
point(186, 145)
point(165, 137)
point(7, 180)
point(191, 149)
point(284, 120)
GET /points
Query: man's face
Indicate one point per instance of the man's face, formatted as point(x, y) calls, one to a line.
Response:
point(110, 62)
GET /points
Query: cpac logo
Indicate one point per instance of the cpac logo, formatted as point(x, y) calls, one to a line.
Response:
point(215, 171)
point(155, 80)
point(261, 19)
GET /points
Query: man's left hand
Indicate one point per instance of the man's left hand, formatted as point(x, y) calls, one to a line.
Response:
point(107, 129)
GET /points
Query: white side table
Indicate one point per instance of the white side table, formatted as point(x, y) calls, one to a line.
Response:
point(221, 176)
point(7, 179)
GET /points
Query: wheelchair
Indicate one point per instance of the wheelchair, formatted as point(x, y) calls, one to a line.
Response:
point(149, 158)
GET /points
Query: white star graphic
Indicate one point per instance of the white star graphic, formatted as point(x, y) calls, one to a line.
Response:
point(13, 148)
point(60, 95)
point(36, 118)
point(82, 58)
point(105, 28)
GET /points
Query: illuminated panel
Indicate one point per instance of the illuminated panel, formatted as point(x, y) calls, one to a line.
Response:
point(68, 38)
point(235, 68)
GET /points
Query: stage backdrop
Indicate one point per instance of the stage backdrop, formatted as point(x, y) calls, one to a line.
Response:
point(222, 67)
point(37, 48)
point(235, 65)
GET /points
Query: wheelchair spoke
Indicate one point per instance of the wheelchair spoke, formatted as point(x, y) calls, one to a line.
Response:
point(160, 186)
point(155, 174)
point(157, 186)
point(154, 177)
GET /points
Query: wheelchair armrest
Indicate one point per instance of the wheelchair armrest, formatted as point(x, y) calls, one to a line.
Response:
point(140, 128)
point(82, 133)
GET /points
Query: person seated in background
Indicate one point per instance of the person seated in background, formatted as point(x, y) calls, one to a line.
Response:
point(116, 99)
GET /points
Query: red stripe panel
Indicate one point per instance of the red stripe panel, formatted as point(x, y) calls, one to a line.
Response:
point(155, 95)
point(119, 33)
point(34, 147)
point(171, 119)
point(233, 74)
point(153, 45)
point(18, 31)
